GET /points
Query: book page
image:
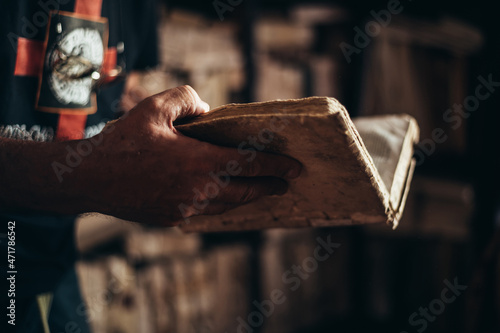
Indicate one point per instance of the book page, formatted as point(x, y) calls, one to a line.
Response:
point(389, 141)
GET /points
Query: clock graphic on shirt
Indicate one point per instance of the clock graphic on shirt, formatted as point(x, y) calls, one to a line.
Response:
point(75, 47)
point(74, 60)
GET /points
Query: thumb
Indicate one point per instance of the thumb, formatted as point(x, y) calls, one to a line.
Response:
point(182, 102)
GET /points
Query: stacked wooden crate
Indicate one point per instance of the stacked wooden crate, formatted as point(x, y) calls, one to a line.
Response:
point(203, 53)
point(165, 282)
point(289, 62)
point(313, 290)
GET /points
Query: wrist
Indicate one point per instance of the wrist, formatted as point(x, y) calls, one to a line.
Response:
point(42, 176)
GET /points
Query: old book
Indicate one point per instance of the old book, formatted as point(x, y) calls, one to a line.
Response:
point(354, 172)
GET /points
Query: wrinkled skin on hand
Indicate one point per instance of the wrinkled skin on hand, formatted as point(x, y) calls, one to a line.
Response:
point(149, 172)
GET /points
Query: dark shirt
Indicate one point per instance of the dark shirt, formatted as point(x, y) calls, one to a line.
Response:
point(44, 243)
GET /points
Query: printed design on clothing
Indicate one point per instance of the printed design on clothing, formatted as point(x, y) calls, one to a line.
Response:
point(73, 60)
point(74, 56)
point(42, 133)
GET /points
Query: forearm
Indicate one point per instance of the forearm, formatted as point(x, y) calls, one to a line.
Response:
point(34, 176)
point(138, 168)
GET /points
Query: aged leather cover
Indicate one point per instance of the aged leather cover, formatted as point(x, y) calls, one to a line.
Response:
point(339, 184)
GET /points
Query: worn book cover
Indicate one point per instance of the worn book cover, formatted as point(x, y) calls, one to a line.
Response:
point(354, 172)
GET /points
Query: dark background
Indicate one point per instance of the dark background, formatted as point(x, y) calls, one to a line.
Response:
point(379, 278)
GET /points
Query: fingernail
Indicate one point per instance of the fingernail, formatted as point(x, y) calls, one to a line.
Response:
point(293, 173)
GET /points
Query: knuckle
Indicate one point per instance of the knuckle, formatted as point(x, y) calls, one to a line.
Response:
point(183, 96)
point(188, 93)
point(253, 168)
point(186, 88)
point(154, 102)
point(248, 194)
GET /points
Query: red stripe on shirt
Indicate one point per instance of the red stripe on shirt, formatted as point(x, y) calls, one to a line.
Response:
point(29, 57)
point(72, 126)
point(88, 7)
point(109, 64)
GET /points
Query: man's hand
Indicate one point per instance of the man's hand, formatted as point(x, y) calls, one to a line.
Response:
point(154, 174)
point(144, 170)
point(140, 168)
